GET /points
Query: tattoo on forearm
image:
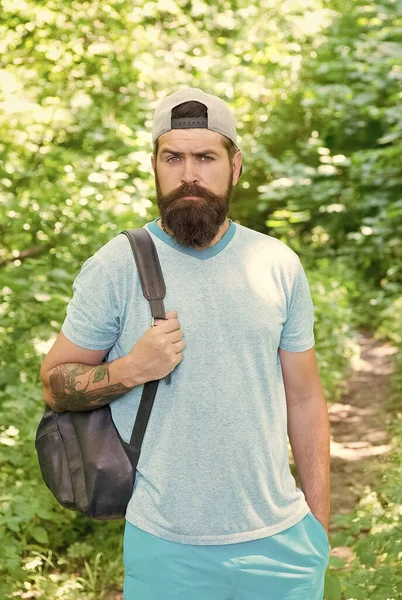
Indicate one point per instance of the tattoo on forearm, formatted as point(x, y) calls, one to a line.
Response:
point(63, 386)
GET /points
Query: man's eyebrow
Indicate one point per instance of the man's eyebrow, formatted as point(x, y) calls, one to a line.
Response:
point(168, 151)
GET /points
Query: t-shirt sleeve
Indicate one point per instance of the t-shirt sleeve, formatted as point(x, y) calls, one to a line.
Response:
point(298, 329)
point(93, 319)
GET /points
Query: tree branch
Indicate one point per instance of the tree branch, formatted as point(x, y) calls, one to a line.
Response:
point(26, 254)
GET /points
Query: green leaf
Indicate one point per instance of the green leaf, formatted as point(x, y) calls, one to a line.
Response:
point(13, 525)
point(39, 534)
point(332, 587)
point(367, 556)
point(44, 513)
point(336, 562)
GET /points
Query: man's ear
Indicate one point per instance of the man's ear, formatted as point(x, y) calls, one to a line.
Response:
point(153, 161)
point(237, 167)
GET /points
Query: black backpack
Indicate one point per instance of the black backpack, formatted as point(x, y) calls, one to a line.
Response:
point(84, 461)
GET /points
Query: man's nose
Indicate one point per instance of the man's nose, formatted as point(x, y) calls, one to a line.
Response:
point(190, 172)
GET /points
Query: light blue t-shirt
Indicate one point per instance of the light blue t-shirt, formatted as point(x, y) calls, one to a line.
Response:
point(214, 464)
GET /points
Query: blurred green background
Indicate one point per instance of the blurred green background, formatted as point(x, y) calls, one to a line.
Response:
point(315, 87)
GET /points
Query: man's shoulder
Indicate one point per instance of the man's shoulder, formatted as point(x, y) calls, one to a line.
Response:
point(265, 242)
point(117, 259)
point(117, 249)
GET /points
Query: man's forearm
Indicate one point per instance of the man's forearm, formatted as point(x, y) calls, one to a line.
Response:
point(76, 386)
point(309, 436)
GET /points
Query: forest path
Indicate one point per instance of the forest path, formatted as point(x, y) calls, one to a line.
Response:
point(358, 428)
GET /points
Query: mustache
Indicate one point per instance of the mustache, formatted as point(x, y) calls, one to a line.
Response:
point(190, 191)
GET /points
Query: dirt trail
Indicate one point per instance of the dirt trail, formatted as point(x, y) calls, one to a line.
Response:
point(358, 427)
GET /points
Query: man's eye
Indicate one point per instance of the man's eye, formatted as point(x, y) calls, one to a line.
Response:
point(209, 158)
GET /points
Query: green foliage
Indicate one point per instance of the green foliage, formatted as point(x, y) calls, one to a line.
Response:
point(315, 88)
point(37, 533)
point(391, 322)
point(332, 286)
point(373, 532)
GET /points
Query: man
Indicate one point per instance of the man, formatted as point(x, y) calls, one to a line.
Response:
point(215, 513)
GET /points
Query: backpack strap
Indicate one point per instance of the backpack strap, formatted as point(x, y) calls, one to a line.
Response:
point(154, 290)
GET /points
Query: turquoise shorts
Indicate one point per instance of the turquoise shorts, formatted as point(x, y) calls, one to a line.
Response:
point(289, 565)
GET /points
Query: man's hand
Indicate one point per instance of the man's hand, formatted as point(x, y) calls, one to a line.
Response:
point(158, 352)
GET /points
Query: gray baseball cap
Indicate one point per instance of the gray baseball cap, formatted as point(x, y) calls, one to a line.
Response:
point(219, 117)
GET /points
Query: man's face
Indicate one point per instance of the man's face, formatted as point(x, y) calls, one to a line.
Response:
point(194, 222)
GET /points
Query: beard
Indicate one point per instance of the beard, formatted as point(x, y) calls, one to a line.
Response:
point(193, 222)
